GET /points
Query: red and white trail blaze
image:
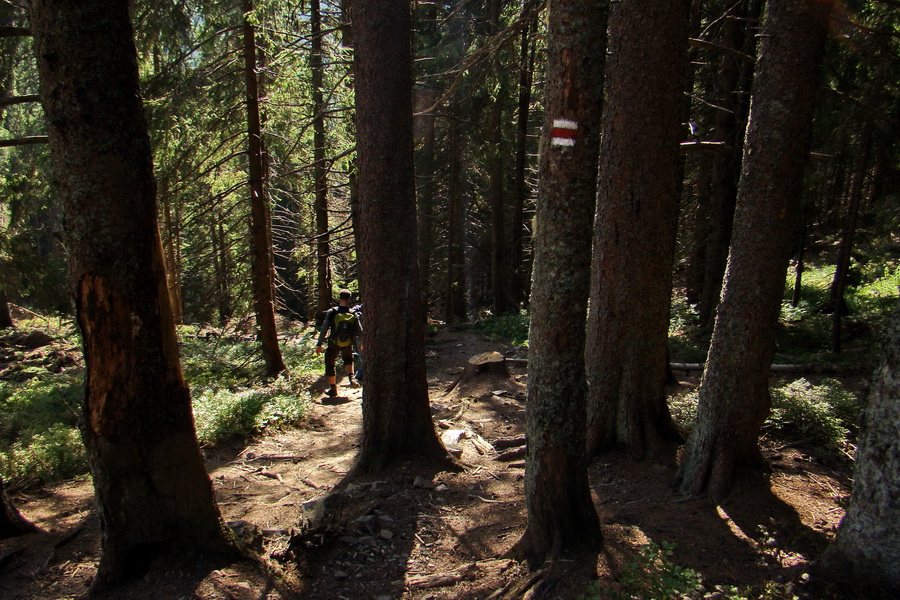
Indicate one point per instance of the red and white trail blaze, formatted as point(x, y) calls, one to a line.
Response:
point(563, 132)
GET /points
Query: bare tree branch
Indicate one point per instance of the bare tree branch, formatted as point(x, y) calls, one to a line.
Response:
point(24, 141)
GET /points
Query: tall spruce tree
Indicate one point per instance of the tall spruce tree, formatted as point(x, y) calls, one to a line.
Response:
point(561, 515)
point(396, 415)
point(152, 491)
point(734, 392)
point(634, 231)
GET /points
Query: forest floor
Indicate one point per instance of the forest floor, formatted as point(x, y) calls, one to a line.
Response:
point(416, 534)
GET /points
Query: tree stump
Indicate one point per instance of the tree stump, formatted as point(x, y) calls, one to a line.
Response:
point(12, 523)
point(492, 363)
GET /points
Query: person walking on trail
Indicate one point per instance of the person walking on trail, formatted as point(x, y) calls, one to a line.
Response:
point(341, 328)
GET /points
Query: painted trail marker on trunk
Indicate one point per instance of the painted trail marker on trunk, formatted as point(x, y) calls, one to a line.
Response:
point(563, 132)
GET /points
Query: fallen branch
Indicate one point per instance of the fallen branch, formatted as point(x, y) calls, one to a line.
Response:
point(509, 442)
point(512, 454)
point(441, 579)
point(807, 368)
point(821, 369)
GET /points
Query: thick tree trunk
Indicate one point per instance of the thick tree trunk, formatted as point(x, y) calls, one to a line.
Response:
point(397, 422)
point(865, 555)
point(634, 232)
point(561, 515)
point(734, 391)
point(152, 490)
point(12, 523)
point(323, 241)
point(260, 219)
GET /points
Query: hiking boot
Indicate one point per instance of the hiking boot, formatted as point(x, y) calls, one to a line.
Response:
point(352, 382)
point(332, 391)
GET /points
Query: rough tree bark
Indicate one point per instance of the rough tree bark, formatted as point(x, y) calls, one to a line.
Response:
point(865, 555)
point(260, 219)
point(561, 515)
point(634, 231)
point(734, 391)
point(396, 415)
point(152, 491)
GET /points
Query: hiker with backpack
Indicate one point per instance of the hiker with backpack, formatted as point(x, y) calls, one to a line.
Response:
point(341, 328)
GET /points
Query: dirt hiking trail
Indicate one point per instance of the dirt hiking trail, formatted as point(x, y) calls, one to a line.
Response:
point(412, 534)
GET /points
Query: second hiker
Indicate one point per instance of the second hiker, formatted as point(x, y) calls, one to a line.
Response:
point(341, 328)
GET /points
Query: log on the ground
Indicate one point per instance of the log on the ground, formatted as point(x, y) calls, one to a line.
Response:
point(512, 454)
point(811, 368)
point(509, 442)
point(486, 363)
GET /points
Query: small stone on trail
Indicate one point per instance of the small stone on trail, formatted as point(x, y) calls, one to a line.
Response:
point(340, 574)
point(441, 488)
point(385, 520)
point(367, 524)
point(421, 482)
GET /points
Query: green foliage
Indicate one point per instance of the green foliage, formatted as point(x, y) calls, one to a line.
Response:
point(683, 408)
point(226, 415)
point(823, 416)
point(231, 398)
point(686, 344)
point(511, 327)
point(805, 334)
point(651, 576)
point(220, 362)
point(38, 428)
point(877, 291)
point(54, 454)
point(38, 404)
point(39, 416)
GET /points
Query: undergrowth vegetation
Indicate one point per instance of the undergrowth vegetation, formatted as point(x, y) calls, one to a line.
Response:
point(804, 334)
point(40, 409)
point(822, 417)
point(512, 328)
point(653, 576)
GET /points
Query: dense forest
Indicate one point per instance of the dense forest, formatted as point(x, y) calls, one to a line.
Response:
point(628, 190)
